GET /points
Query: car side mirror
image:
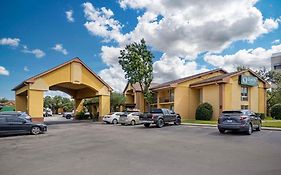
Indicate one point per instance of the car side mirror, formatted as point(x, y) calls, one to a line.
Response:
point(23, 122)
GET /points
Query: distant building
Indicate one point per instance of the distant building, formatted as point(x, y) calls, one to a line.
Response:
point(276, 62)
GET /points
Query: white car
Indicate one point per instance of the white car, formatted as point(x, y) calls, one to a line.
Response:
point(112, 117)
point(47, 112)
point(130, 118)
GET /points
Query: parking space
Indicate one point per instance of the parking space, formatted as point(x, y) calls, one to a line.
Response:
point(89, 148)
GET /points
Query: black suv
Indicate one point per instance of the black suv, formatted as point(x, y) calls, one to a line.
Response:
point(10, 124)
point(241, 120)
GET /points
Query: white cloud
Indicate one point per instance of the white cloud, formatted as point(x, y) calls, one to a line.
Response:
point(277, 41)
point(172, 68)
point(253, 58)
point(69, 16)
point(56, 93)
point(36, 52)
point(110, 55)
point(181, 30)
point(14, 42)
point(4, 71)
point(26, 69)
point(114, 76)
point(101, 23)
point(59, 48)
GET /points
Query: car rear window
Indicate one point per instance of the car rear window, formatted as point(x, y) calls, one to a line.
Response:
point(156, 111)
point(232, 112)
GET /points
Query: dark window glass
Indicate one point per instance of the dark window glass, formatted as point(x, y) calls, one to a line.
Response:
point(2, 119)
point(14, 119)
point(244, 107)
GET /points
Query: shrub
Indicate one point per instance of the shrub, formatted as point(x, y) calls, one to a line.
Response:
point(276, 111)
point(261, 115)
point(204, 112)
point(81, 116)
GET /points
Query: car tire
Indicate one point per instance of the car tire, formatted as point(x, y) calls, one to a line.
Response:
point(222, 131)
point(178, 121)
point(133, 122)
point(114, 122)
point(35, 130)
point(259, 127)
point(250, 129)
point(160, 123)
point(68, 116)
point(147, 125)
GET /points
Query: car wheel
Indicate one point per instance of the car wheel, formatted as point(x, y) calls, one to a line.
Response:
point(222, 131)
point(147, 125)
point(133, 122)
point(114, 121)
point(250, 129)
point(259, 127)
point(68, 116)
point(160, 123)
point(35, 130)
point(178, 121)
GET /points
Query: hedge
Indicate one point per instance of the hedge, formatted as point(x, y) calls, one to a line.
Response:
point(204, 112)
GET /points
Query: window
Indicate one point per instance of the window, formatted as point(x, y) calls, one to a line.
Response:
point(243, 107)
point(172, 107)
point(277, 67)
point(14, 119)
point(244, 93)
point(2, 119)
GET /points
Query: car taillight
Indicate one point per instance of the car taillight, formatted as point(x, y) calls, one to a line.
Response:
point(243, 117)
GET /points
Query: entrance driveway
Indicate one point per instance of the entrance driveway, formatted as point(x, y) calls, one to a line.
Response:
point(88, 148)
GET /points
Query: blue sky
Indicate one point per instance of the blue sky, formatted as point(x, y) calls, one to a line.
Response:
point(183, 42)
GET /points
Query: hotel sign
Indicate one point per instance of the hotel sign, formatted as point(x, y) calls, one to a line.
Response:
point(248, 80)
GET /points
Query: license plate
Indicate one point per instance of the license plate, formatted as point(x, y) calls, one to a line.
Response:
point(229, 121)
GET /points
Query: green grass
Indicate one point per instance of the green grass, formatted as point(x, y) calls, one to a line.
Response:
point(272, 123)
point(269, 122)
point(200, 121)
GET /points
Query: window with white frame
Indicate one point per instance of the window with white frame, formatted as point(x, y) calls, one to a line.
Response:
point(244, 93)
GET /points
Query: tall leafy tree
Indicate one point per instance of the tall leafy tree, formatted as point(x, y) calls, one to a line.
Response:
point(4, 100)
point(136, 61)
point(116, 100)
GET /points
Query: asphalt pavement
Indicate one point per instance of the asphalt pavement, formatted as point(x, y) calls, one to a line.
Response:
point(99, 149)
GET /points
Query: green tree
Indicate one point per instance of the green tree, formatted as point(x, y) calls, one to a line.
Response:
point(67, 104)
point(136, 61)
point(4, 100)
point(116, 100)
point(242, 67)
point(48, 102)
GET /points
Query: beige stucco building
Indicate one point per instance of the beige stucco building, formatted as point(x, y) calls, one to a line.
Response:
point(72, 77)
point(223, 90)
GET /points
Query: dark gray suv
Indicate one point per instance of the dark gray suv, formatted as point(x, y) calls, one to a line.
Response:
point(240, 120)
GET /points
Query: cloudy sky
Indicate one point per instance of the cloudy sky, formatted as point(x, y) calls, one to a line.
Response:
point(186, 36)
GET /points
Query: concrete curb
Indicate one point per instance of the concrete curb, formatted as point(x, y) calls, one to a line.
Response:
point(211, 125)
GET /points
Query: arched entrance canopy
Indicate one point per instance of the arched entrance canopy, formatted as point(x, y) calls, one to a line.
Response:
point(73, 77)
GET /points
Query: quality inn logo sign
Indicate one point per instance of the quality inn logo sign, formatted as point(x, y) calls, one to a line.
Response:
point(248, 80)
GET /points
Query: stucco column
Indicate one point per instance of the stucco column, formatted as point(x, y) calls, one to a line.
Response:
point(104, 105)
point(21, 103)
point(35, 105)
point(78, 105)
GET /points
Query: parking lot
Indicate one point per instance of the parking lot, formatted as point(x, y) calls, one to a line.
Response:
point(99, 149)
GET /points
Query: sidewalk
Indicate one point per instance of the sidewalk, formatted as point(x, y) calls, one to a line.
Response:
point(211, 125)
